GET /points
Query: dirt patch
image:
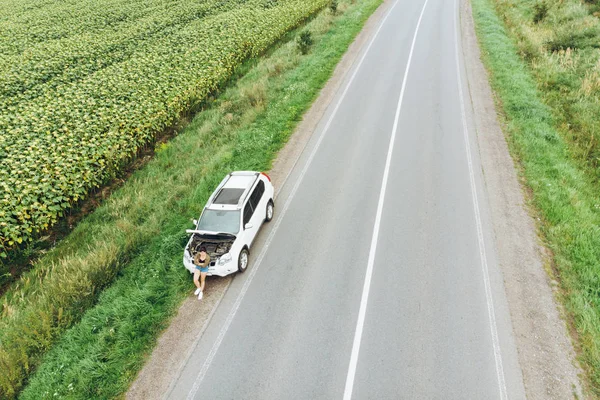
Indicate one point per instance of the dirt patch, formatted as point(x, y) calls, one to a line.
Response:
point(186, 328)
point(546, 354)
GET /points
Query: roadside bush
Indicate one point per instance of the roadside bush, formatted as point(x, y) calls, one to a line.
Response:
point(304, 42)
point(573, 38)
point(540, 11)
point(333, 6)
point(269, 3)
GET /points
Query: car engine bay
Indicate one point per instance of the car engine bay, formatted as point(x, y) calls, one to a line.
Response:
point(215, 247)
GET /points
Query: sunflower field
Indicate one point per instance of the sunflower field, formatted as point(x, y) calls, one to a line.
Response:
point(85, 83)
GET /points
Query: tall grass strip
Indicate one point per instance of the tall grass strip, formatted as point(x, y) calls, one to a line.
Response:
point(568, 204)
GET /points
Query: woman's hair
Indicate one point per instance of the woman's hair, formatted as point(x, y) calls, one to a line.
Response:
point(203, 249)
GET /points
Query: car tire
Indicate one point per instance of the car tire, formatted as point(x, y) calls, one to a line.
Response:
point(270, 211)
point(243, 260)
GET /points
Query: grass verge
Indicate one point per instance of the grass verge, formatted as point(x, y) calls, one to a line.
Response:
point(559, 41)
point(243, 129)
point(562, 191)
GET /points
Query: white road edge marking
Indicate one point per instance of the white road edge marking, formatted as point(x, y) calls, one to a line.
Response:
point(246, 285)
point(481, 243)
point(367, 285)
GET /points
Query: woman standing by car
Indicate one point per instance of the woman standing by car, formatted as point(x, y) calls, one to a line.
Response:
point(201, 261)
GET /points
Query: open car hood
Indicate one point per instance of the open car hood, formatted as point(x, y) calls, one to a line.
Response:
point(212, 235)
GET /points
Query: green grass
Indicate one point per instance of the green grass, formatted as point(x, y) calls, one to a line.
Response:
point(564, 189)
point(99, 356)
point(562, 51)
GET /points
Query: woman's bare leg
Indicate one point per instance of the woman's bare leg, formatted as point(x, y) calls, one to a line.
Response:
point(202, 279)
point(196, 276)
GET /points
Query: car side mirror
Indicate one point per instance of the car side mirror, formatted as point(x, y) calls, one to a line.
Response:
point(195, 221)
point(248, 226)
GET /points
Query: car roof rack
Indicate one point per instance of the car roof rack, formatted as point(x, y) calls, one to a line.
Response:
point(233, 190)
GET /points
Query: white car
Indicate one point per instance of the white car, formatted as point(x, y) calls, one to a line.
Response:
point(230, 221)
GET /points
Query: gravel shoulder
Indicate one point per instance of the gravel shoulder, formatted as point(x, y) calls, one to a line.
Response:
point(545, 350)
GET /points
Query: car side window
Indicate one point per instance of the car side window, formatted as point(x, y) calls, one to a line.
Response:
point(257, 194)
point(247, 213)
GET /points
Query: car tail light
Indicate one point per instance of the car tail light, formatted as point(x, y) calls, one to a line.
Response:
point(266, 176)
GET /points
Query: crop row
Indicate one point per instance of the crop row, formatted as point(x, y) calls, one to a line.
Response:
point(65, 60)
point(27, 24)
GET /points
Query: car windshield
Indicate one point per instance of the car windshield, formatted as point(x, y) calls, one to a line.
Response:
point(220, 221)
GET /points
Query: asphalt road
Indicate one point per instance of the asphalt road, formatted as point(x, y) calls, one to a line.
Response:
point(377, 278)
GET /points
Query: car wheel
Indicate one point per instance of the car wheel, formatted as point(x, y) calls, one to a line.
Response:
point(270, 210)
point(243, 260)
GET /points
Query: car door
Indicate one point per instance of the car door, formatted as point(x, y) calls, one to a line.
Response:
point(257, 213)
point(248, 224)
